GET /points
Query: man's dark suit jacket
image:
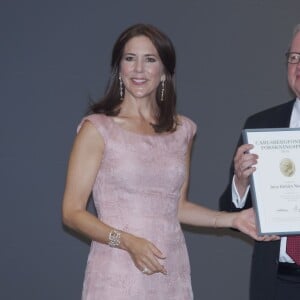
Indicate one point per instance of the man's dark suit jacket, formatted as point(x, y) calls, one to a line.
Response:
point(265, 254)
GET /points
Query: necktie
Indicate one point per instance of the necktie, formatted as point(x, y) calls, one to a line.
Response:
point(293, 248)
point(293, 242)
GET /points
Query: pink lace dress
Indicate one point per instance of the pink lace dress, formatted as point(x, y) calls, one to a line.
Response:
point(137, 190)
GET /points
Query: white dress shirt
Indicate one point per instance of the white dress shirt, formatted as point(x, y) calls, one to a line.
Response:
point(240, 202)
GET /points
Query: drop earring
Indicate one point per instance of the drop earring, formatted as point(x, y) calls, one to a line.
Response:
point(162, 93)
point(121, 88)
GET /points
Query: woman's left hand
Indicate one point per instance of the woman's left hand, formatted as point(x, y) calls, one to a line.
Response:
point(245, 221)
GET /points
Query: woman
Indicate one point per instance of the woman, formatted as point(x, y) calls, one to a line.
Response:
point(133, 152)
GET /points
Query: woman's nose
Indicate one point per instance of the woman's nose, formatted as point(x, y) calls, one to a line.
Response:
point(139, 65)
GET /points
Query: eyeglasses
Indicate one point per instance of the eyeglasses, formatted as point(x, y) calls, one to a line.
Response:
point(293, 57)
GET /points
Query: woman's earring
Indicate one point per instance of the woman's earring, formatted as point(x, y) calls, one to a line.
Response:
point(162, 93)
point(121, 88)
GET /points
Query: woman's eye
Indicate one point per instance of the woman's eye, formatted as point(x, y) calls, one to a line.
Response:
point(129, 58)
point(150, 59)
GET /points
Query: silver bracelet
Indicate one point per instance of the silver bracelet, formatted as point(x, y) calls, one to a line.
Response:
point(114, 238)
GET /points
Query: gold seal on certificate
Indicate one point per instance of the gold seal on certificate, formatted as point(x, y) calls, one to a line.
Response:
point(275, 184)
point(287, 167)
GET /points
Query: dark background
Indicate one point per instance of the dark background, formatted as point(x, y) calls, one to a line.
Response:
point(55, 54)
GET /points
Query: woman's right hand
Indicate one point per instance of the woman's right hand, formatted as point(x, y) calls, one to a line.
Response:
point(144, 254)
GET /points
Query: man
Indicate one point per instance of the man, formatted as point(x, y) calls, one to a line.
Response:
point(274, 274)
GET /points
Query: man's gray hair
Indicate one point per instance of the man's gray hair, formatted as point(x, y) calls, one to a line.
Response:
point(296, 29)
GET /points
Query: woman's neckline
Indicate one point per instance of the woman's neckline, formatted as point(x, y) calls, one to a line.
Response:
point(154, 135)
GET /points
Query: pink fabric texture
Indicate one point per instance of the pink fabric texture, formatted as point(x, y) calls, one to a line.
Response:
point(137, 190)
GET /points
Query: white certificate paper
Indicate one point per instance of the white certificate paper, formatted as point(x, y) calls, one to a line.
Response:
point(275, 185)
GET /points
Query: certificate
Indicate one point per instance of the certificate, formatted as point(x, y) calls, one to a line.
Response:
point(275, 184)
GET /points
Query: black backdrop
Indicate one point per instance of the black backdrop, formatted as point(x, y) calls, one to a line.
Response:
point(55, 54)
